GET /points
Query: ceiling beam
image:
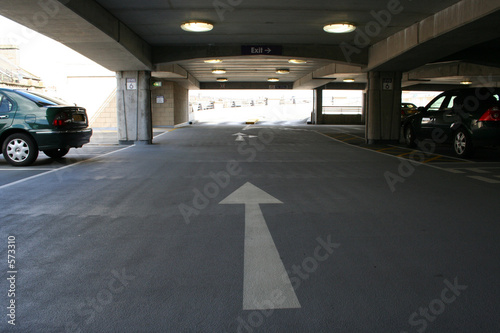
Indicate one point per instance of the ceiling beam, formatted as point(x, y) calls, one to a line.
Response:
point(446, 32)
point(86, 27)
point(173, 53)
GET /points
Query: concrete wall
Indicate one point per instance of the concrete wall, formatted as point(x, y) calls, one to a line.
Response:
point(343, 119)
point(181, 104)
point(174, 109)
point(106, 115)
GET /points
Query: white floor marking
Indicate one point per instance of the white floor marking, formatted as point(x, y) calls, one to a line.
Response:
point(485, 179)
point(60, 169)
point(240, 136)
point(477, 170)
point(265, 279)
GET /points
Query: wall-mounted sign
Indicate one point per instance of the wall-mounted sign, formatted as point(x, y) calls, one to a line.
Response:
point(160, 99)
point(131, 84)
point(387, 84)
point(157, 84)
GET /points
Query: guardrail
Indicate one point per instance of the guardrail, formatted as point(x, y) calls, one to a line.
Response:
point(347, 110)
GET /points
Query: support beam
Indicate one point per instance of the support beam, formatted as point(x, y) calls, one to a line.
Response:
point(383, 118)
point(133, 98)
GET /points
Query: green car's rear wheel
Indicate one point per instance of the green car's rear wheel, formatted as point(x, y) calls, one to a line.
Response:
point(20, 149)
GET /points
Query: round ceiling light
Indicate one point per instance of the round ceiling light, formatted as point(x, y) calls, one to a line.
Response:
point(222, 79)
point(297, 61)
point(213, 61)
point(273, 79)
point(339, 28)
point(197, 26)
point(466, 82)
point(218, 71)
point(349, 80)
point(283, 71)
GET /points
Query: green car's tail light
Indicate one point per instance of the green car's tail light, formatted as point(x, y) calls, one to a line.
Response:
point(492, 114)
point(61, 119)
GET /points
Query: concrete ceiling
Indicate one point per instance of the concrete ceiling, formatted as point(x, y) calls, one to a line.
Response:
point(146, 35)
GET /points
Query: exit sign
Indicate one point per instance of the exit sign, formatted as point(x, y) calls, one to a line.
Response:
point(261, 50)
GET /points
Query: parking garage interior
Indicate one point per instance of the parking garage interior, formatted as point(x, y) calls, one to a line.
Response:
point(327, 224)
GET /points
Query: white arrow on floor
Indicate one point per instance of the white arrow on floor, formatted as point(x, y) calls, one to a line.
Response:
point(240, 136)
point(264, 274)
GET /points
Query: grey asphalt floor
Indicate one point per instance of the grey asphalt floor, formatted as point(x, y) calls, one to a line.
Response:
point(134, 239)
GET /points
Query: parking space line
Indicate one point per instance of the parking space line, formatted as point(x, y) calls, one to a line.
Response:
point(60, 169)
point(477, 170)
point(454, 170)
point(485, 179)
point(25, 169)
point(432, 159)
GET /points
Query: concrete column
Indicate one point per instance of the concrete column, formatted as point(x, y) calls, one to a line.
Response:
point(318, 106)
point(383, 116)
point(133, 101)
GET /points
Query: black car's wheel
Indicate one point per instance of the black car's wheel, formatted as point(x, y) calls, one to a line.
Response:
point(462, 143)
point(409, 136)
point(20, 149)
point(56, 153)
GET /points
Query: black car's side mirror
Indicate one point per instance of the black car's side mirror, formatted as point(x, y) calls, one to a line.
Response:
point(421, 109)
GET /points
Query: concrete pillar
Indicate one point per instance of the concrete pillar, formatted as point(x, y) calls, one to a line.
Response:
point(318, 106)
point(383, 116)
point(133, 101)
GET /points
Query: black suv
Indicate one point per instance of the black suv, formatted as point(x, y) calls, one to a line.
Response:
point(467, 118)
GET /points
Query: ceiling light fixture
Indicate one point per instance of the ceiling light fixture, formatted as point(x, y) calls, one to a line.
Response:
point(222, 79)
point(273, 79)
point(297, 61)
point(283, 71)
point(465, 82)
point(349, 80)
point(339, 28)
point(197, 26)
point(213, 61)
point(218, 71)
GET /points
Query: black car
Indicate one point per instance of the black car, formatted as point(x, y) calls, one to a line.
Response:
point(466, 118)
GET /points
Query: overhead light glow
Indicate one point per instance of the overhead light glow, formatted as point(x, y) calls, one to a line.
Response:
point(222, 79)
point(197, 26)
point(213, 61)
point(339, 28)
point(273, 79)
point(219, 71)
point(283, 71)
point(297, 61)
point(466, 82)
point(349, 80)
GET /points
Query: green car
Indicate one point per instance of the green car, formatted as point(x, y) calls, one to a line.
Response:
point(30, 122)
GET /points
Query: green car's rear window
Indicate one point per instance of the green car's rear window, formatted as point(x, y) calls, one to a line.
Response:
point(38, 99)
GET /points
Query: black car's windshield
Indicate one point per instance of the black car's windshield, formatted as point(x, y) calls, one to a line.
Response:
point(39, 99)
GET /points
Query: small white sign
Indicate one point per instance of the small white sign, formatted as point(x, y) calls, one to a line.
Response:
point(387, 84)
point(160, 99)
point(131, 84)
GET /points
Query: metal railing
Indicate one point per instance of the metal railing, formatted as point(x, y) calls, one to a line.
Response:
point(347, 110)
